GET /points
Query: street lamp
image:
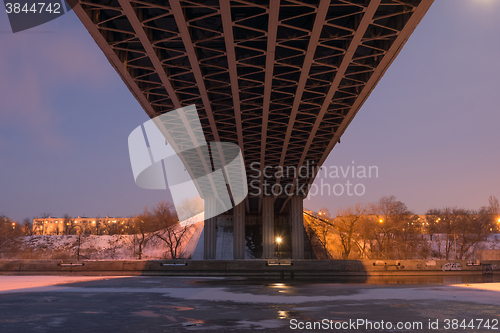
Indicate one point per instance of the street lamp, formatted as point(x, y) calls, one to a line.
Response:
point(278, 240)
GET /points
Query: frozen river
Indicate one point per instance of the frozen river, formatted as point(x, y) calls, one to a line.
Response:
point(180, 304)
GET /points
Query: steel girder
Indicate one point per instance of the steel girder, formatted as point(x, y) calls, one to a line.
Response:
point(281, 78)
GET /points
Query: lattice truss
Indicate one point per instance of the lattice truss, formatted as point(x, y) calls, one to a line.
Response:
point(282, 79)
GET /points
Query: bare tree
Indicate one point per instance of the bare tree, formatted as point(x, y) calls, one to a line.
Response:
point(9, 232)
point(449, 225)
point(432, 218)
point(386, 212)
point(27, 227)
point(168, 227)
point(408, 237)
point(472, 228)
point(364, 237)
point(164, 215)
point(173, 236)
point(4, 230)
point(451, 222)
point(346, 224)
point(69, 228)
point(143, 226)
point(189, 207)
point(397, 234)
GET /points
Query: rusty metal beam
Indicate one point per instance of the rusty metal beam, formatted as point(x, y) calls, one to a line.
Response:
point(148, 47)
point(274, 8)
point(309, 57)
point(193, 60)
point(114, 60)
point(379, 73)
point(346, 61)
point(196, 70)
point(315, 92)
point(225, 11)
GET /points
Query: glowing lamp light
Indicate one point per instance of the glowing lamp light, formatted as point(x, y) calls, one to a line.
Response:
point(381, 221)
point(278, 240)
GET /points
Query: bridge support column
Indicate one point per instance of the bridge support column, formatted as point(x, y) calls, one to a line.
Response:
point(268, 227)
point(239, 231)
point(297, 224)
point(210, 234)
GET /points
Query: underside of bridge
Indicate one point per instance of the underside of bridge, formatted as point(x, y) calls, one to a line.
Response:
point(282, 79)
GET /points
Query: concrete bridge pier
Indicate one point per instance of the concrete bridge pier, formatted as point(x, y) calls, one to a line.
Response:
point(210, 234)
point(239, 231)
point(268, 227)
point(297, 224)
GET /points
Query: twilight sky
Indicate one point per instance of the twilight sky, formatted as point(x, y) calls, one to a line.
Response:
point(431, 126)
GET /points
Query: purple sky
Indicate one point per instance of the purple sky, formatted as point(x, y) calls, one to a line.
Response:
point(431, 126)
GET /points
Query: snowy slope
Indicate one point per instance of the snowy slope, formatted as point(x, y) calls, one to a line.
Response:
point(94, 246)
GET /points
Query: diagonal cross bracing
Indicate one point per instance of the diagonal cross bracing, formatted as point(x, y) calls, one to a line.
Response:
point(309, 57)
point(339, 76)
point(392, 52)
point(225, 9)
point(139, 31)
point(282, 79)
point(271, 46)
point(188, 44)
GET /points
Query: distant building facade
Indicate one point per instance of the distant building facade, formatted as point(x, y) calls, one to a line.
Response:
point(82, 226)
